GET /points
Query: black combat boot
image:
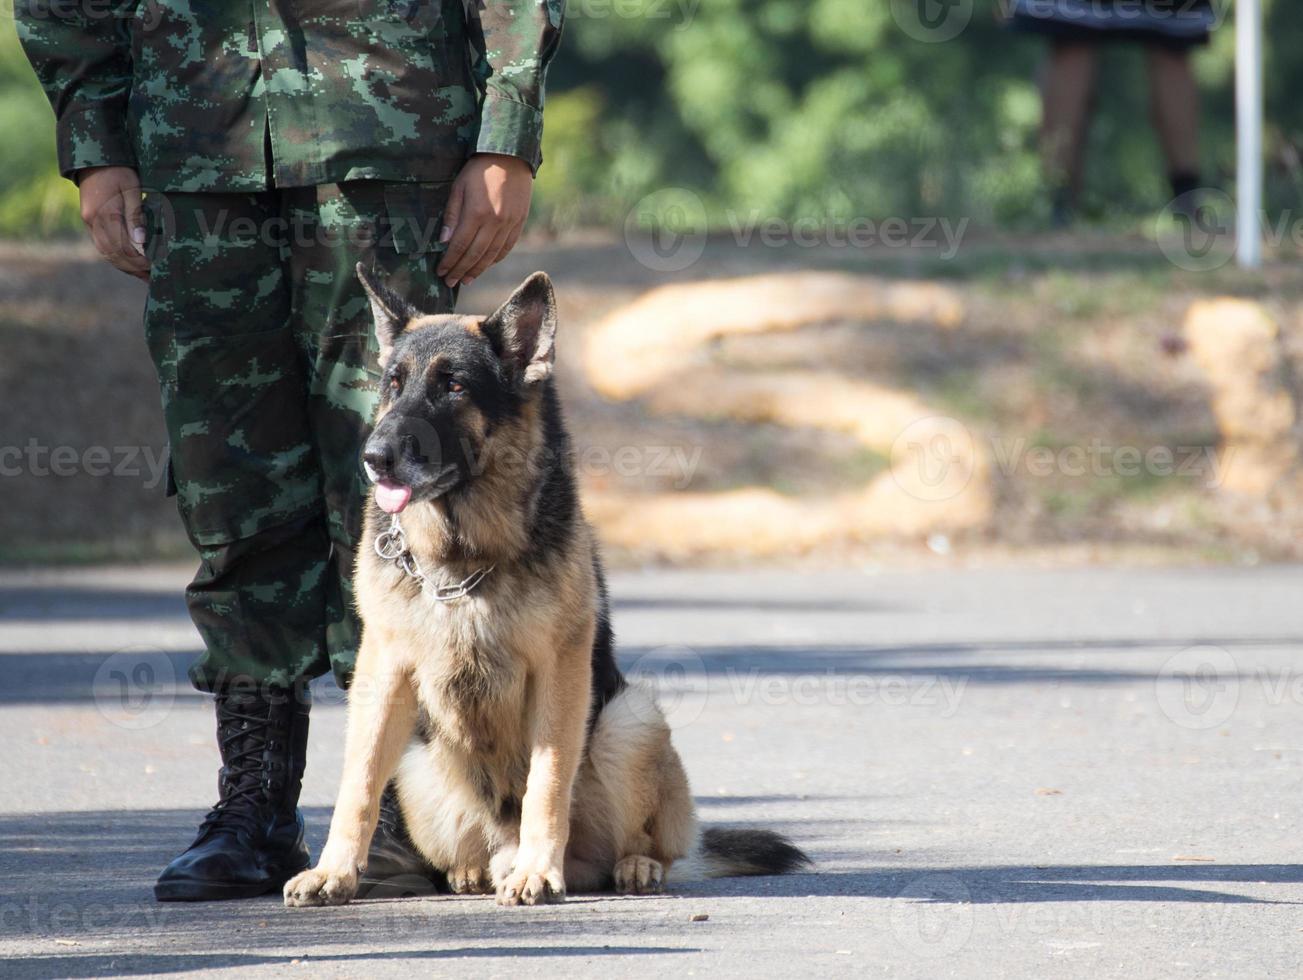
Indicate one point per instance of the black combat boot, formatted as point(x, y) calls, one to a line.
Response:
point(251, 842)
point(394, 868)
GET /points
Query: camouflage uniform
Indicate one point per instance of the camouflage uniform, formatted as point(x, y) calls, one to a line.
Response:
point(280, 142)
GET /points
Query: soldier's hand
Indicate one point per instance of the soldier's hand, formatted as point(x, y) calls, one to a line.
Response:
point(485, 215)
point(112, 209)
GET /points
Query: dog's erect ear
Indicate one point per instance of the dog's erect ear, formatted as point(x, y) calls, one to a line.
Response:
point(523, 330)
point(389, 310)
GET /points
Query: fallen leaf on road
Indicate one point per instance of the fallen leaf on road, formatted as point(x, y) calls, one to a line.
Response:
point(1049, 791)
point(1192, 857)
point(699, 917)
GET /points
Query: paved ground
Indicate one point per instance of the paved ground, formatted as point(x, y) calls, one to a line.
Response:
point(1000, 773)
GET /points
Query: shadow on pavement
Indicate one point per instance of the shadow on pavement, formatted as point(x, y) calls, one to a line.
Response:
point(48, 678)
point(78, 603)
point(1018, 884)
point(95, 869)
point(85, 879)
point(136, 964)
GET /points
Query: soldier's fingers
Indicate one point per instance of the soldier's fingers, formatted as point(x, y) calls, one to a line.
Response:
point(462, 237)
point(118, 247)
point(451, 221)
point(104, 224)
point(484, 236)
point(133, 212)
point(489, 257)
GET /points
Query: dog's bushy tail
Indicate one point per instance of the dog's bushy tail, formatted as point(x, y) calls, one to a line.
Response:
point(726, 852)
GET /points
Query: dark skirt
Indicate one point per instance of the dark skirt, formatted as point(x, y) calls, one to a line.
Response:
point(1177, 24)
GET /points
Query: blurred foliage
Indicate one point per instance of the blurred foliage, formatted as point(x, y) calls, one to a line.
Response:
point(820, 110)
point(34, 199)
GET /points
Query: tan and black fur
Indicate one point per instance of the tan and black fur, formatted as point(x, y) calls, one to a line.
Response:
point(523, 762)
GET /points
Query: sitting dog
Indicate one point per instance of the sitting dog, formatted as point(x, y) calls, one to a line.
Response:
point(486, 687)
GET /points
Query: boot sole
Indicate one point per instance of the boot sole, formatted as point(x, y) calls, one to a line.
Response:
point(216, 891)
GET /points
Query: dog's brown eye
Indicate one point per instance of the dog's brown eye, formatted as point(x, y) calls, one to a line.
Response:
point(456, 387)
point(395, 385)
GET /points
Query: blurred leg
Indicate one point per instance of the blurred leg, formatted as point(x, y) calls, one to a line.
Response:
point(1174, 109)
point(1066, 96)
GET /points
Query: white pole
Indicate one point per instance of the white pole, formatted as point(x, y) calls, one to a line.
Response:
point(1248, 131)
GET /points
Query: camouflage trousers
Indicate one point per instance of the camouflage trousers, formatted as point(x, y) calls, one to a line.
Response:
point(262, 338)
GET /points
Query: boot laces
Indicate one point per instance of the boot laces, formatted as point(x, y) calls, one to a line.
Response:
point(245, 794)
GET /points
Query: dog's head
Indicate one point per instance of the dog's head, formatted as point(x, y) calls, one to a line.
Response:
point(447, 382)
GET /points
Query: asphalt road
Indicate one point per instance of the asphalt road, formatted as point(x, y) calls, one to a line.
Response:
point(1000, 774)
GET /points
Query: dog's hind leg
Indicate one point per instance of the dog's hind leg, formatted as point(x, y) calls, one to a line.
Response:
point(381, 716)
point(651, 820)
point(667, 832)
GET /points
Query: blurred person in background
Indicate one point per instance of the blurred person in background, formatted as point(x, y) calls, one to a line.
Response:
point(1168, 30)
point(281, 145)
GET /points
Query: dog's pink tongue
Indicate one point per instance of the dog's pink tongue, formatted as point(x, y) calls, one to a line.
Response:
point(392, 497)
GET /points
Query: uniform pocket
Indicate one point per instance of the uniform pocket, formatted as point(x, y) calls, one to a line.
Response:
point(240, 438)
point(414, 217)
point(405, 250)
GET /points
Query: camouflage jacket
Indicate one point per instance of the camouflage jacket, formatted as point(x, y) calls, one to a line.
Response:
point(240, 95)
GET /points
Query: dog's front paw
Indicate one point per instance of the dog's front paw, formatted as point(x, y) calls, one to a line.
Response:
point(530, 886)
point(320, 886)
point(470, 880)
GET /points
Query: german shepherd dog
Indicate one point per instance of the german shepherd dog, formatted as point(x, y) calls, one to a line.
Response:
point(486, 686)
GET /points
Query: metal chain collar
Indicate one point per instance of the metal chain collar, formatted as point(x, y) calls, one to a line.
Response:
point(391, 545)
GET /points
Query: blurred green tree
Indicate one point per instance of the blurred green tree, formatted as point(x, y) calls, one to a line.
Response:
point(817, 110)
point(34, 200)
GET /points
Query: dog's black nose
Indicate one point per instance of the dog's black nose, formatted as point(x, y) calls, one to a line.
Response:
point(379, 459)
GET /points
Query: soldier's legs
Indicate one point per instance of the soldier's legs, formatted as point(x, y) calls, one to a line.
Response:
point(235, 399)
point(393, 228)
point(267, 362)
point(219, 323)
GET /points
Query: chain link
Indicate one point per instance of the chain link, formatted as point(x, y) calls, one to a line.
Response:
point(391, 545)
